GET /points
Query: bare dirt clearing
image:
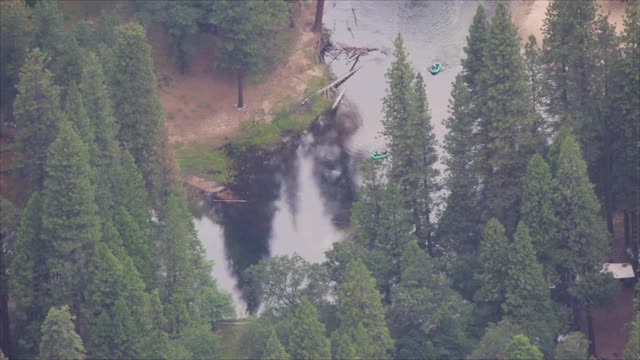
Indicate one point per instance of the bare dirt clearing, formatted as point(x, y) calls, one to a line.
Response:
point(200, 106)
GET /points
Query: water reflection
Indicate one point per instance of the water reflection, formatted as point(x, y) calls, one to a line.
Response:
point(298, 198)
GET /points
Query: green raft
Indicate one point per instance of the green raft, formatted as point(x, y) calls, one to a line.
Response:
point(378, 156)
point(435, 68)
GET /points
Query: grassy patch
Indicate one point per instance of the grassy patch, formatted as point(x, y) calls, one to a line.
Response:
point(256, 134)
point(211, 165)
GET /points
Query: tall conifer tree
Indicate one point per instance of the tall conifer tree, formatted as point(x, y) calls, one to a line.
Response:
point(37, 113)
point(69, 216)
point(506, 138)
point(59, 337)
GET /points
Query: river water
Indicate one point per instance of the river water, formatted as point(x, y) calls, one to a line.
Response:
point(299, 197)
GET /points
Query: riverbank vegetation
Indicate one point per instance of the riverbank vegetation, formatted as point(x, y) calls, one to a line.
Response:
point(100, 257)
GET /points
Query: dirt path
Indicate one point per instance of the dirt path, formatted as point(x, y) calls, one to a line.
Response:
point(529, 15)
point(200, 106)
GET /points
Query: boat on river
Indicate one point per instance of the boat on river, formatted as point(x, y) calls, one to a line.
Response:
point(379, 155)
point(435, 68)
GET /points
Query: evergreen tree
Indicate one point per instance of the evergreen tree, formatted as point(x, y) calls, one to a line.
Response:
point(538, 212)
point(495, 341)
point(50, 36)
point(421, 304)
point(553, 154)
point(274, 349)
point(29, 278)
point(359, 302)
point(37, 113)
point(136, 245)
point(532, 60)
point(528, 300)
point(585, 243)
point(201, 342)
point(98, 107)
point(407, 127)
point(573, 347)
point(10, 221)
point(15, 36)
point(626, 106)
point(129, 191)
point(568, 55)
point(460, 224)
point(246, 28)
point(115, 306)
point(69, 216)
point(521, 349)
point(493, 255)
point(134, 91)
point(506, 137)
point(366, 213)
point(75, 111)
point(307, 338)
point(476, 41)
point(346, 350)
point(59, 338)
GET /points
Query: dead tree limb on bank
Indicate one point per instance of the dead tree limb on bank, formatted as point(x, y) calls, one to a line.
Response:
point(329, 90)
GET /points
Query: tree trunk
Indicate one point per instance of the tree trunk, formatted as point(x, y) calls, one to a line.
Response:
point(4, 308)
point(240, 97)
point(317, 25)
point(592, 335)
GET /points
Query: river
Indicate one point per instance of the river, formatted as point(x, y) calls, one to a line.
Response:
point(299, 198)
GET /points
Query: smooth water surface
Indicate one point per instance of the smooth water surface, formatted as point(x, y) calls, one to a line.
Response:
point(299, 197)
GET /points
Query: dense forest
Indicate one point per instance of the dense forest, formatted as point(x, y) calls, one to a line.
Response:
point(101, 260)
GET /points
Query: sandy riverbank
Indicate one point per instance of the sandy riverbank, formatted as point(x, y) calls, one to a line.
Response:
point(529, 15)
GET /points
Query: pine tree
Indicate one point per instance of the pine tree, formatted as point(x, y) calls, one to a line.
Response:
point(29, 278)
point(137, 245)
point(528, 300)
point(129, 191)
point(521, 349)
point(37, 113)
point(201, 342)
point(136, 103)
point(495, 341)
point(493, 255)
point(359, 302)
point(98, 107)
point(308, 340)
point(115, 307)
point(421, 303)
point(409, 134)
point(274, 349)
point(346, 350)
point(476, 41)
point(59, 338)
point(246, 28)
point(423, 173)
point(538, 212)
point(15, 36)
point(585, 243)
point(626, 105)
point(69, 215)
point(76, 113)
point(460, 223)
point(367, 211)
point(50, 36)
point(10, 221)
point(506, 136)
point(532, 60)
point(568, 53)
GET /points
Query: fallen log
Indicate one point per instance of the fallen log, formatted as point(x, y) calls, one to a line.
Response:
point(329, 89)
point(338, 99)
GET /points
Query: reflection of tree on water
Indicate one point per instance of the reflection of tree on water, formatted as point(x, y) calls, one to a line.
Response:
point(333, 165)
point(288, 175)
point(247, 227)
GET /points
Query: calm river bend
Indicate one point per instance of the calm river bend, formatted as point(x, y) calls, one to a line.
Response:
point(299, 198)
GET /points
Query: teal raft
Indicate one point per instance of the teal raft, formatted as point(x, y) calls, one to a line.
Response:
point(435, 68)
point(377, 156)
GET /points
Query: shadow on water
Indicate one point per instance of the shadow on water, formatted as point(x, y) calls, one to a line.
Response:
point(271, 184)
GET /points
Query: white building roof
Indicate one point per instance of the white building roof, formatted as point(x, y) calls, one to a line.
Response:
point(619, 270)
